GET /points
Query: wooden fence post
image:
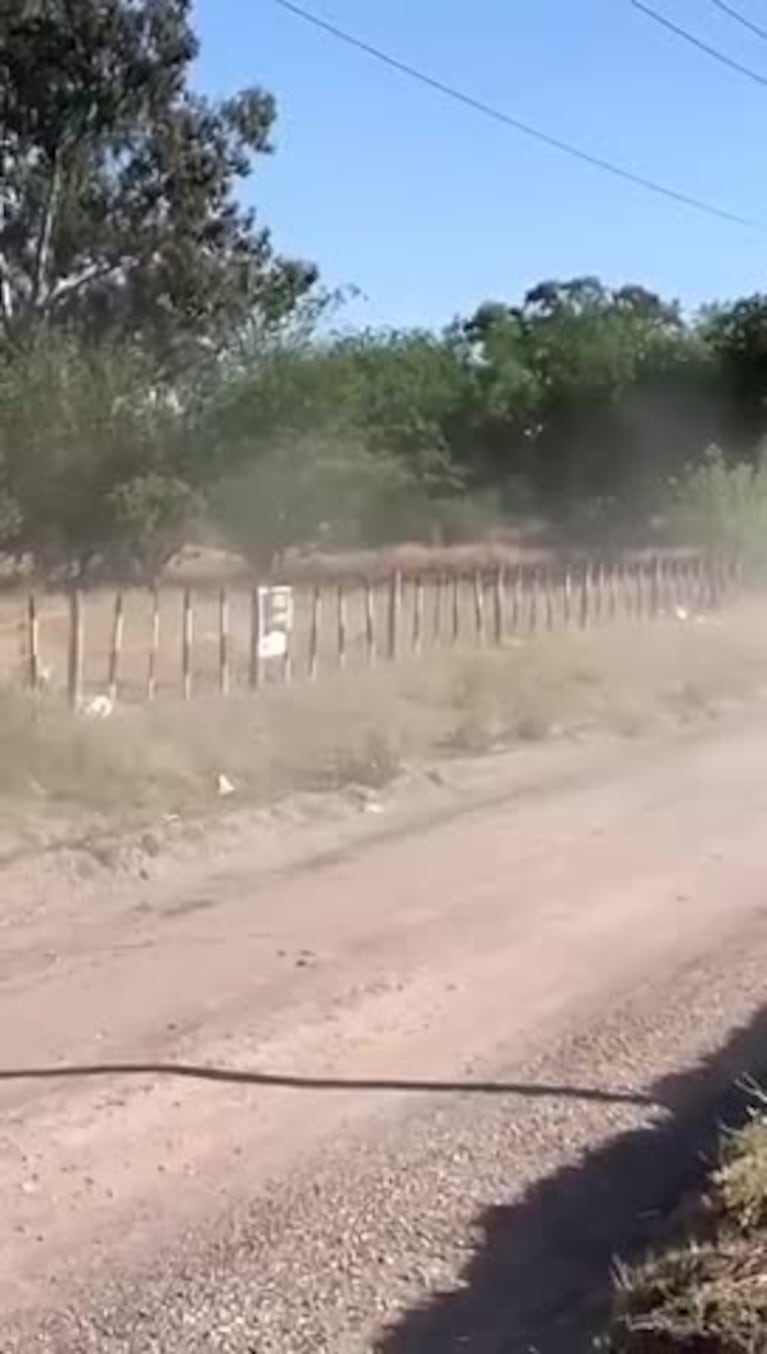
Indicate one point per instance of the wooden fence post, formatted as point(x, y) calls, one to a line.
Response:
point(713, 576)
point(639, 590)
point(33, 643)
point(596, 591)
point(154, 647)
point(532, 613)
point(287, 660)
point(725, 577)
point(314, 632)
point(437, 621)
point(548, 587)
point(255, 673)
point(567, 596)
point(370, 623)
point(516, 600)
point(701, 581)
point(621, 608)
point(499, 596)
point(683, 592)
point(714, 570)
point(695, 585)
point(670, 581)
point(223, 642)
point(691, 595)
point(479, 607)
point(115, 648)
point(603, 591)
point(341, 623)
point(584, 606)
point(187, 639)
point(615, 591)
point(736, 574)
point(395, 600)
point(417, 615)
point(656, 587)
point(76, 660)
point(632, 589)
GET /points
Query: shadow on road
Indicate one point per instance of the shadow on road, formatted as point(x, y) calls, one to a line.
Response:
point(242, 1077)
point(539, 1279)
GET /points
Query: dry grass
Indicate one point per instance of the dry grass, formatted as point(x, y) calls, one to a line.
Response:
point(439, 615)
point(362, 725)
point(707, 1291)
point(535, 543)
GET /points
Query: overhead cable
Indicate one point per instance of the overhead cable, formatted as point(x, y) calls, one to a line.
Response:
point(527, 129)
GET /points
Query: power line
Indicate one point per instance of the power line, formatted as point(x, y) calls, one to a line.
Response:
point(741, 18)
point(525, 128)
point(702, 46)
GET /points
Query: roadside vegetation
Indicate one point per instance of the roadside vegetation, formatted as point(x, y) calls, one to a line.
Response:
point(167, 375)
point(705, 1289)
point(363, 727)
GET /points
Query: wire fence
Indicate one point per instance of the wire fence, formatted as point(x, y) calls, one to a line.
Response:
point(133, 644)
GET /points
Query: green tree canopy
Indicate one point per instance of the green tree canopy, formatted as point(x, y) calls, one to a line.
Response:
point(118, 183)
point(575, 384)
point(98, 462)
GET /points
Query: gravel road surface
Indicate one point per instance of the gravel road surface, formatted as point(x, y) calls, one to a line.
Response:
point(409, 1097)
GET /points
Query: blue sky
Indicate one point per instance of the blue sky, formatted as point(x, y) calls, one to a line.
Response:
point(430, 209)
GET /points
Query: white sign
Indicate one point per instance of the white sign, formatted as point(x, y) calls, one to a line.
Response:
point(276, 611)
point(273, 645)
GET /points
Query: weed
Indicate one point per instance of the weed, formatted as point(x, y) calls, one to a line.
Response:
point(707, 1290)
point(361, 724)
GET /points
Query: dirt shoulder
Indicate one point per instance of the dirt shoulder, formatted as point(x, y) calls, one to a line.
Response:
point(167, 1050)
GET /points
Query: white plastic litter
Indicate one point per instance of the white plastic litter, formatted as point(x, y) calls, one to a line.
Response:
point(98, 707)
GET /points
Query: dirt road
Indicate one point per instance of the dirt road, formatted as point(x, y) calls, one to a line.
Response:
point(408, 1097)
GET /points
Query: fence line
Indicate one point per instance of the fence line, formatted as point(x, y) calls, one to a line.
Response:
point(224, 642)
point(370, 623)
point(314, 633)
point(33, 644)
point(154, 647)
point(76, 657)
point(342, 625)
point(499, 603)
point(439, 590)
point(187, 640)
point(255, 671)
point(115, 648)
point(395, 607)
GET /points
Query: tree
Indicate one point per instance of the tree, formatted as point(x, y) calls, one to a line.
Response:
point(323, 490)
point(723, 506)
point(118, 209)
point(338, 441)
point(505, 424)
point(576, 383)
point(410, 393)
point(737, 337)
point(98, 463)
point(401, 396)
